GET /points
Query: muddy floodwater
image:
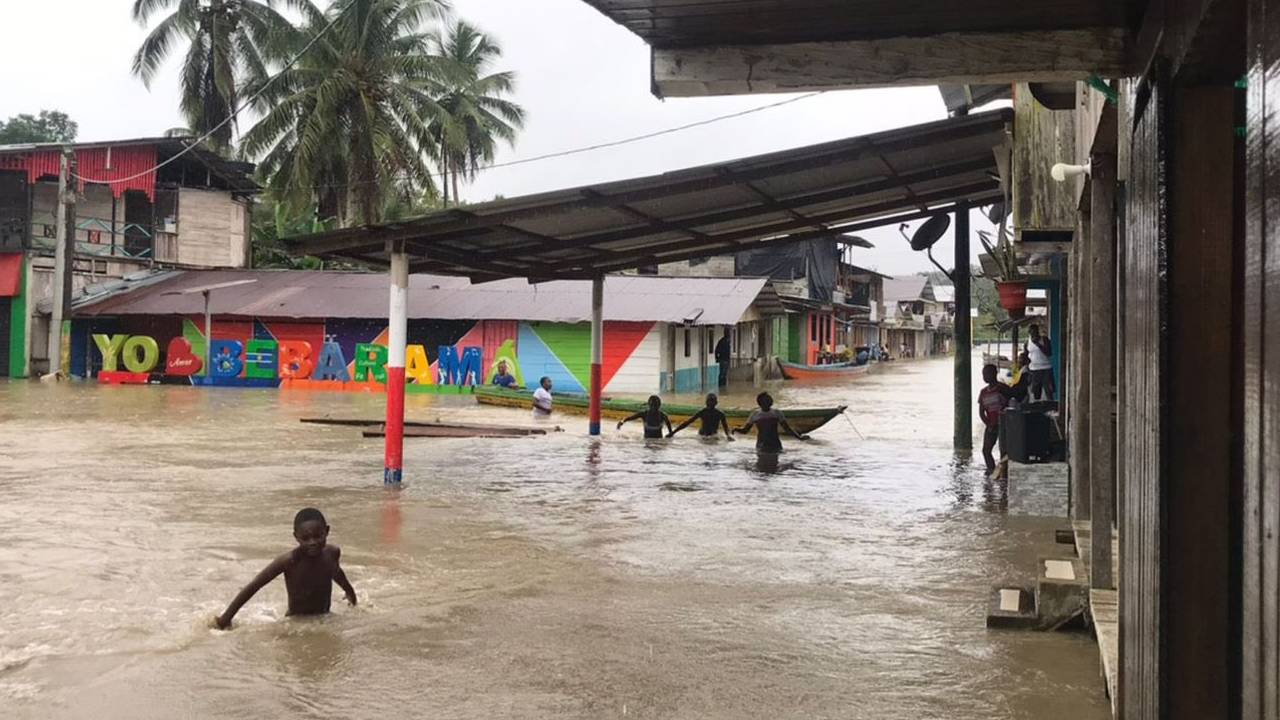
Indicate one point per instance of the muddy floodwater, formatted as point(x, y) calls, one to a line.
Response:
point(547, 577)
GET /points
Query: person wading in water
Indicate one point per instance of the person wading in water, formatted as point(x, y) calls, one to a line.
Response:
point(653, 417)
point(766, 420)
point(712, 420)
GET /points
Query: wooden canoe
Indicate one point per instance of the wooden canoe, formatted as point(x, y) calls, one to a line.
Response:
point(838, 371)
point(804, 420)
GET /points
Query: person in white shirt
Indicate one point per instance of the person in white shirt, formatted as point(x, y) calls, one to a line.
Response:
point(1040, 351)
point(542, 398)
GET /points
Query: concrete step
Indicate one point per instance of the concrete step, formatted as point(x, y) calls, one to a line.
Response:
point(1013, 608)
point(1062, 591)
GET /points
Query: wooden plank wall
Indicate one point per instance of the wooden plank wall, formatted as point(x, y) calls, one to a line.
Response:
point(1261, 330)
point(1042, 137)
point(1140, 533)
point(211, 229)
point(1197, 378)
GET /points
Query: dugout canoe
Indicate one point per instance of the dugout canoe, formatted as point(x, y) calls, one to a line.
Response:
point(804, 420)
point(805, 373)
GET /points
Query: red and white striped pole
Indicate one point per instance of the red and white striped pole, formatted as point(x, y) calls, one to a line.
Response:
point(397, 338)
point(597, 349)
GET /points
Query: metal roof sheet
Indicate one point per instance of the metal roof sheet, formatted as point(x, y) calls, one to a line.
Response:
point(818, 191)
point(300, 295)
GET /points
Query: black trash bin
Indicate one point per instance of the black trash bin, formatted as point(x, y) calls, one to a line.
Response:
point(1028, 433)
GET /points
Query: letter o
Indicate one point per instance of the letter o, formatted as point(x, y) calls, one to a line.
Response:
point(149, 357)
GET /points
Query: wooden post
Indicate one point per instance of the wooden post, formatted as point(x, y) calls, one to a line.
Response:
point(1101, 362)
point(963, 382)
point(64, 254)
point(1082, 307)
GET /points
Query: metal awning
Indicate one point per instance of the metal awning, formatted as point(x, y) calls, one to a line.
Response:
point(818, 191)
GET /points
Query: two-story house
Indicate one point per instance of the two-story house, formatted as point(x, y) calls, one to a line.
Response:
point(139, 204)
point(916, 321)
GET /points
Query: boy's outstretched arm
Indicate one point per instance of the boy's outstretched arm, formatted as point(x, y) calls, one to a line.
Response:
point(724, 422)
point(787, 426)
point(628, 419)
point(340, 578)
point(269, 573)
point(684, 424)
point(745, 428)
point(667, 420)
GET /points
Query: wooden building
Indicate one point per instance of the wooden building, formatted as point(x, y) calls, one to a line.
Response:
point(140, 204)
point(1174, 426)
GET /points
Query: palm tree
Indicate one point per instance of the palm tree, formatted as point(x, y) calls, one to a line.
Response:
point(477, 114)
point(347, 125)
point(230, 43)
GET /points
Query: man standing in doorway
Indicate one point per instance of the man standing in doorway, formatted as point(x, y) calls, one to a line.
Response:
point(722, 358)
point(1040, 350)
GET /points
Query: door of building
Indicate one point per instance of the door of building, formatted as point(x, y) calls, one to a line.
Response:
point(5, 334)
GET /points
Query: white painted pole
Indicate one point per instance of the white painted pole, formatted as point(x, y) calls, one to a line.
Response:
point(597, 351)
point(208, 336)
point(397, 338)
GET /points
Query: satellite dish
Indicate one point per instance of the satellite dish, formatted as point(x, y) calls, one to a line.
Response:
point(996, 213)
point(931, 232)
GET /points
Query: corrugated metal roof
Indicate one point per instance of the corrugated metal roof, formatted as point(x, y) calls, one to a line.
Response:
point(314, 295)
point(819, 191)
point(906, 288)
point(236, 174)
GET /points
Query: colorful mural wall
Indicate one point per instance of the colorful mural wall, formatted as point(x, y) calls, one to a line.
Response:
point(350, 355)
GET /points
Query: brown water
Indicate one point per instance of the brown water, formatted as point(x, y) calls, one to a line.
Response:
point(533, 578)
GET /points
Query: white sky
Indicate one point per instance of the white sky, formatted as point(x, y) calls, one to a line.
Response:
point(582, 80)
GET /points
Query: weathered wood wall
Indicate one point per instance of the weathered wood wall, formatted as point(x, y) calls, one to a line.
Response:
point(1146, 263)
point(1042, 137)
point(1261, 383)
point(212, 229)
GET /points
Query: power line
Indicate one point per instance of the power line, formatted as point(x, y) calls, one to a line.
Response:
point(588, 148)
point(243, 106)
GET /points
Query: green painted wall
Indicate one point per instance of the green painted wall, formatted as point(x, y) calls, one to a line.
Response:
point(796, 334)
point(18, 327)
point(571, 344)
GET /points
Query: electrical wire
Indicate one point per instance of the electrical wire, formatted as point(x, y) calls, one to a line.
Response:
point(587, 148)
point(243, 106)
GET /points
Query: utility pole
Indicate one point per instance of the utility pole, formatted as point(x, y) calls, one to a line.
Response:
point(64, 252)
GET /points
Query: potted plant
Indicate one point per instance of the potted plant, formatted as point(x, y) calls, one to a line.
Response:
point(1011, 284)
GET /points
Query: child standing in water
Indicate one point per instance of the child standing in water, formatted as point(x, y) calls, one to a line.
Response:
point(767, 421)
point(309, 571)
point(712, 420)
point(653, 417)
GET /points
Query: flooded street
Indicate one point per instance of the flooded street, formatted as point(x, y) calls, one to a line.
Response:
point(543, 577)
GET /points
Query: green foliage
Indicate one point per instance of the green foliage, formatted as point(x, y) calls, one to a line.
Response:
point(983, 297)
point(476, 114)
point(229, 44)
point(347, 126)
point(48, 126)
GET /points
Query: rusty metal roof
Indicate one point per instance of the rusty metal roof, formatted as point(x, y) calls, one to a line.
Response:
point(819, 191)
point(703, 23)
point(312, 295)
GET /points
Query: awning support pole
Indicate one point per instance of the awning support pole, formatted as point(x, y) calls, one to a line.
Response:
point(208, 336)
point(963, 339)
point(397, 332)
point(597, 349)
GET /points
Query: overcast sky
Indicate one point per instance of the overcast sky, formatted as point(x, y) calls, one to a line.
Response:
point(582, 79)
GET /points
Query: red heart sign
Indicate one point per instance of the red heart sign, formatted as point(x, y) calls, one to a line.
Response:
point(179, 360)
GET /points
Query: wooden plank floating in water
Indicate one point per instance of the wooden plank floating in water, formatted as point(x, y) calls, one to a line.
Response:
point(376, 428)
point(455, 431)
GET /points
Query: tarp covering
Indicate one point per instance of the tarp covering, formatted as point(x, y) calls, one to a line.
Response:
point(814, 260)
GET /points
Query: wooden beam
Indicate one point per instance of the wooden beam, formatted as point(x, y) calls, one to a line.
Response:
point(1102, 358)
point(948, 58)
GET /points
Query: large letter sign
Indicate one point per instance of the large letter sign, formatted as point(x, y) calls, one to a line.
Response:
point(261, 359)
point(150, 354)
point(109, 346)
point(332, 365)
point(226, 358)
point(371, 357)
point(295, 359)
point(417, 367)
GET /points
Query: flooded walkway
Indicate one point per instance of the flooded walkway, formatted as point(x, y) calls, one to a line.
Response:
point(524, 578)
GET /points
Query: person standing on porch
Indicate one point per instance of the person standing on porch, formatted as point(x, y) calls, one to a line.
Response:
point(1040, 350)
point(722, 358)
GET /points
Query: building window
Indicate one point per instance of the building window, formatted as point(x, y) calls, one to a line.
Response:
point(687, 345)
